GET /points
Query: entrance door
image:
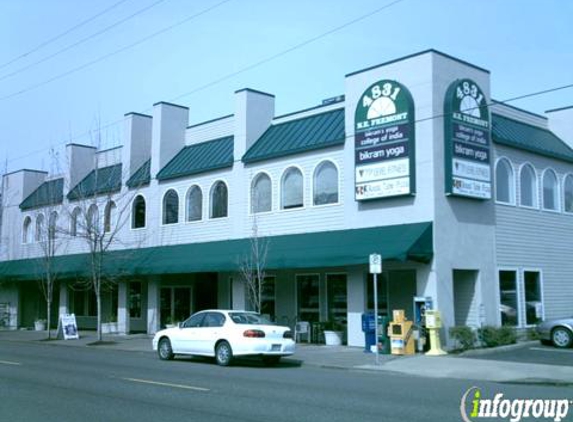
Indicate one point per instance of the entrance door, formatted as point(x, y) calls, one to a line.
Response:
point(175, 304)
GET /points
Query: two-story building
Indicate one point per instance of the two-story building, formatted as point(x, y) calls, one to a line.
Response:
point(468, 200)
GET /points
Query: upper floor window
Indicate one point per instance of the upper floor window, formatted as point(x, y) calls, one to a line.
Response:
point(194, 203)
point(138, 213)
point(325, 184)
point(27, 230)
point(219, 200)
point(171, 207)
point(504, 182)
point(568, 193)
point(292, 189)
point(109, 216)
point(261, 194)
point(52, 225)
point(92, 220)
point(40, 228)
point(550, 191)
point(75, 219)
point(528, 186)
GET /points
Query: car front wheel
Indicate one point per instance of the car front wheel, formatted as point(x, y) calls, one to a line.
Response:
point(562, 337)
point(223, 354)
point(164, 349)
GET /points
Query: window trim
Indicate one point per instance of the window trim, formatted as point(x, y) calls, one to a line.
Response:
point(281, 189)
point(89, 223)
point(339, 196)
point(211, 199)
point(74, 221)
point(162, 216)
point(110, 205)
point(250, 204)
point(565, 177)
point(132, 221)
point(557, 189)
point(541, 295)
point(26, 230)
point(186, 220)
point(515, 270)
point(512, 182)
point(38, 235)
point(536, 204)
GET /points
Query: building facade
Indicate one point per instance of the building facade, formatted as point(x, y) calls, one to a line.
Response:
point(469, 202)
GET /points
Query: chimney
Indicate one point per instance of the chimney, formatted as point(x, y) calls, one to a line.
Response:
point(137, 142)
point(561, 123)
point(20, 184)
point(81, 159)
point(168, 133)
point(254, 111)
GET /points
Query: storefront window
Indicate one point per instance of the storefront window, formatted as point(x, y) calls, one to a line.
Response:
point(533, 304)
point(508, 297)
point(135, 300)
point(337, 297)
point(308, 288)
point(382, 293)
point(182, 303)
point(268, 298)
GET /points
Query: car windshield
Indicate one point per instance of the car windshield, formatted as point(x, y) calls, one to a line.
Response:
point(249, 318)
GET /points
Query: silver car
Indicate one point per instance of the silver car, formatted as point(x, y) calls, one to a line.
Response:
point(556, 331)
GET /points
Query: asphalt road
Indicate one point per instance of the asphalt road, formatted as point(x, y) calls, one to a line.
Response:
point(43, 382)
point(538, 353)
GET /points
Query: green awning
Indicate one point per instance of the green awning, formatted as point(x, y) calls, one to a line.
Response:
point(406, 242)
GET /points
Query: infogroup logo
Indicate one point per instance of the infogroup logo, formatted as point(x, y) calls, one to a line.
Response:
point(474, 407)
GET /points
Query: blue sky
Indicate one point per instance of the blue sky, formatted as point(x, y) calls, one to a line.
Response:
point(527, 45)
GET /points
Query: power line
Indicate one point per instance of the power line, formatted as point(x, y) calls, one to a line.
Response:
point(121, 50)
point(83, 40)
point(66, 32)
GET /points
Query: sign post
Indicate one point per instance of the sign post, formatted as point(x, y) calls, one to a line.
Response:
point(375, 269)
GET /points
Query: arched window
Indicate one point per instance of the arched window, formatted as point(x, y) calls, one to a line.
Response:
point(261, 193)
point(219, 200)
point(504, 183)
point(325, 184)
point(194, 203)
point(109, 216)
point(568, 193)
point(528, 186)
point(171, 207)
point(138, 213)
point(92, 220)
point(52, 225)
point(40, 228)
point(27, 230)
point(550, 191)
point(292, 189)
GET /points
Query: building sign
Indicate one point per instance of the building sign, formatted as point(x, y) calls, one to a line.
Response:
point(467, 134)
point(69, 327)
point(384, 142)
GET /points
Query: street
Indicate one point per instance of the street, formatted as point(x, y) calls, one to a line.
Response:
point(43, 382)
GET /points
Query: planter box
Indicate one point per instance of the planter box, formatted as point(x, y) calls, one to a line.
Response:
point(109, 328)
point(40, 325)
point(333, 338)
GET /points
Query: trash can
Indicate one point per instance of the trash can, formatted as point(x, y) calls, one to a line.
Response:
point(383, 339)
point(369, 331)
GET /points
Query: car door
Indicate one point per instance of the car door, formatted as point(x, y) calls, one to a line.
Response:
point(187, 336)
point(210, 332)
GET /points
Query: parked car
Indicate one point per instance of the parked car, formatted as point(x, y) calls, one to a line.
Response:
point(559, 332)
point(224, 335)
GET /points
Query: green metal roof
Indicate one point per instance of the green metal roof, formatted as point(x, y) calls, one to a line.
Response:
point(309, 133)
point(406, 242)
point(98, 182)
point(530, 138)
point(48, 193)
point(199, 158)
point(141, 177)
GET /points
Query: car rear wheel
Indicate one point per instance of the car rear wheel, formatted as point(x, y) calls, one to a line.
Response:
point(164, 349)
point(223, 354)
point(562, 337)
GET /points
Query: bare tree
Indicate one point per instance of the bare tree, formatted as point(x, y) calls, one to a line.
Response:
point(252, 267)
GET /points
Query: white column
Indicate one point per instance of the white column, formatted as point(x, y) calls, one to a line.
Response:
point(153, 305)
point(123, 307)
point(239, 294)
point(356, 289)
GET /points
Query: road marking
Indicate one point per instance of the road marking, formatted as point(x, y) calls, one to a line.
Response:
point(5, 362)
point(166, 384)
point(543, 349)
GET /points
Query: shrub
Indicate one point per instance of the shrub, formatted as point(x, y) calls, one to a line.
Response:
point(497, 336)
point(464, 336)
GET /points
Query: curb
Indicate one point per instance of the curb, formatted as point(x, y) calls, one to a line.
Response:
point(491, 350)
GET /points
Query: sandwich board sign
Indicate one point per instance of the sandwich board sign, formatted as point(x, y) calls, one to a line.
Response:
point(69, 327)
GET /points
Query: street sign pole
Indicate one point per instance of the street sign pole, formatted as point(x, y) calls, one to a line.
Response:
point(375, 269)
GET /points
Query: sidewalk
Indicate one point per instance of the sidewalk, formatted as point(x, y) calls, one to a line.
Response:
point(350, 358)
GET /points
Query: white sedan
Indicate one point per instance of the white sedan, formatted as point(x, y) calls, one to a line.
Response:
point(224, 335)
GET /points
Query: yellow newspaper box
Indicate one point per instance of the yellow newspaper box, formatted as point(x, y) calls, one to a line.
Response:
point(433, 325)
point(400, 332)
